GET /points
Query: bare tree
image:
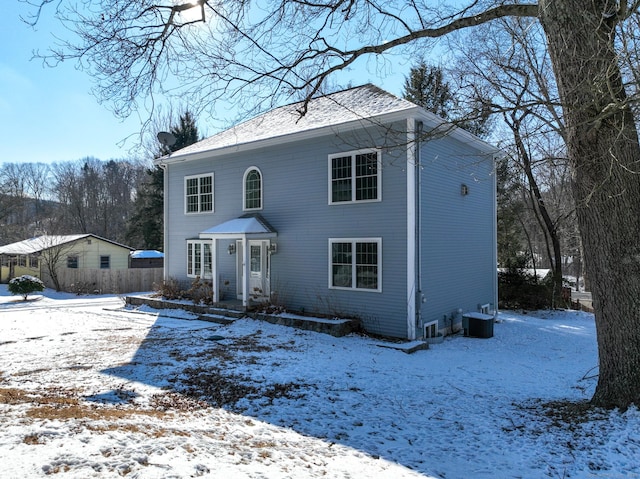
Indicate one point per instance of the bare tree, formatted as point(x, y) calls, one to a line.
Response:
point(96, 197)
point(25, 205)
point(53, 255)
point(506, 65)
point(136, 50)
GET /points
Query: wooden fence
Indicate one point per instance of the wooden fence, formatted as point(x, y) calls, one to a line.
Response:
point(107, 281)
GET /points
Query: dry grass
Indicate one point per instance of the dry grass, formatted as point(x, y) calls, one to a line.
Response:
point(14, 396)
point(82, 411)
point(65, 404)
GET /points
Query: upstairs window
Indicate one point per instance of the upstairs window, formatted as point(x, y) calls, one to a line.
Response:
point(252, 186)
point(355, 177)
point(199, 193)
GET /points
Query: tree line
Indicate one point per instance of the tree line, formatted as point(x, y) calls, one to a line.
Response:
point(118, 199)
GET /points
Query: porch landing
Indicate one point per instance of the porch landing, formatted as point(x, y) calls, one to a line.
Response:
point(228, 311)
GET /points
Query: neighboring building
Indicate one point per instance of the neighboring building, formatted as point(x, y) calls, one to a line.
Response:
point(35, 256)
point(146, 258)
point(367, 206)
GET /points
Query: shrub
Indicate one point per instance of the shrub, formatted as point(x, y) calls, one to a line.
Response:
point(518, 289)
point(201, 292)
point(25, 285)
point(170, 289)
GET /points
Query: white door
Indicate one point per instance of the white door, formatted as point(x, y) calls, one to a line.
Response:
point(258, 269)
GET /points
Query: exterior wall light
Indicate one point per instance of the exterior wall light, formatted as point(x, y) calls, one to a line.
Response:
point(232, 248)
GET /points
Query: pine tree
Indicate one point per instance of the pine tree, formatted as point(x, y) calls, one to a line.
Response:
point(427, 88)
point(147, 223)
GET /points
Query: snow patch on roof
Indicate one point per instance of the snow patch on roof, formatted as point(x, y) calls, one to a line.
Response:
point(146, 253)
point(355, 104)
point(44, 242)
point(39, 243)
point(242, 225)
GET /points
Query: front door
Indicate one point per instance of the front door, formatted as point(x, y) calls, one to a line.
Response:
point(258, 269)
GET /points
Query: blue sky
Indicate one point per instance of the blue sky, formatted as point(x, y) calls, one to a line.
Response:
point(49, 115)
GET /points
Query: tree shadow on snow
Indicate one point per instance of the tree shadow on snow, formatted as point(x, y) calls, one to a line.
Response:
point(202, 363)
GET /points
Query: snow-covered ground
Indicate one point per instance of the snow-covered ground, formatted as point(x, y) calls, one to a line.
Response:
point(90, 390)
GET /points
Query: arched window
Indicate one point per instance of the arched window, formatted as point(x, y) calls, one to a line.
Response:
point(252, 189)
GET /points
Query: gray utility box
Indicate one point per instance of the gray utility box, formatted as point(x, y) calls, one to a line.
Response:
point(477, 325)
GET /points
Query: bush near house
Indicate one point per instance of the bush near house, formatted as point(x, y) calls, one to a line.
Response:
point(199, 291)
point(25, 285)
point(519, 288)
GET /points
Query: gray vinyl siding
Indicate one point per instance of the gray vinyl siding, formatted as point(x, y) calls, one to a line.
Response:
point(295, 179)
point(458, 262)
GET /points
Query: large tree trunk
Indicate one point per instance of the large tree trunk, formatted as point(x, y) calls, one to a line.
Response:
point(603, 148)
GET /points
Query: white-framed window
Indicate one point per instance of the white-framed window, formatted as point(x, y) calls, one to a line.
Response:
point(33, 261)
point(355, 263)
point(355, 177)
point(431, 329)
point(105, 262)
point(252, 189)
point(198, 193)
point(199, 258)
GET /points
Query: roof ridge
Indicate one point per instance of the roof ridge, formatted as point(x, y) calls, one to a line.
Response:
point(330, 110)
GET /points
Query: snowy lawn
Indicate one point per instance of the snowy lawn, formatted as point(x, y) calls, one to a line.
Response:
point(90, 390)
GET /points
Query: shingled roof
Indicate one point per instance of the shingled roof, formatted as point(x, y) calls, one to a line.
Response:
point(354, 104)
point(44, 242)
point(352, 108)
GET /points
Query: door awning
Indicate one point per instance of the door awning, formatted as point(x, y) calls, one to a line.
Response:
point(249, 225)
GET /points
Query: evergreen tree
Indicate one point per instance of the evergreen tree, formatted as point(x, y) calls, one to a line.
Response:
point(427, 88)
point(147, 223)
point(185, 133)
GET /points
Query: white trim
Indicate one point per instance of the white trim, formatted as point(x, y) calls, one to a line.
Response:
point(353, 242)
point(431, 121)
point(214, 272)
point(429, 326)
point(495, 234)
point(353, 154)
point(190, 177)
point(165, 223)
point(411, 229)
point(203, 244)
point(244, 189)
point(307, 134)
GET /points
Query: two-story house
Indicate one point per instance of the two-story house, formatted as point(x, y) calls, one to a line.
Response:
point(367, 206)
